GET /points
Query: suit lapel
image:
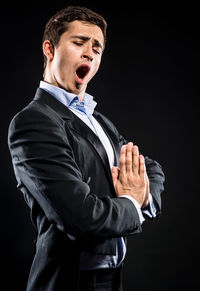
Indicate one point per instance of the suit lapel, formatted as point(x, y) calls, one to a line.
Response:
point(82, 129)
point(77, 125)
point(111, 137)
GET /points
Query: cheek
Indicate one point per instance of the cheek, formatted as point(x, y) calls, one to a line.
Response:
point(62, 61)
point(57, 63)
point(95, 68)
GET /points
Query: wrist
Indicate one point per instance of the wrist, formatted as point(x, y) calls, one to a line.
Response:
point(145, 203)
point(137, 206)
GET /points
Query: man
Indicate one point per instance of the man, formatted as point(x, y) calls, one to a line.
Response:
point(87, 187)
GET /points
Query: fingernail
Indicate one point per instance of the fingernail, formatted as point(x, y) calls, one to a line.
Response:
point(142, 158)
point(123, 147)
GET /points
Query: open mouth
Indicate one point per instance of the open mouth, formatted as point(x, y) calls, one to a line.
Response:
point(82, 72)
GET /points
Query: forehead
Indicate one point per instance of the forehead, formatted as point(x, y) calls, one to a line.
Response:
point(86, 29)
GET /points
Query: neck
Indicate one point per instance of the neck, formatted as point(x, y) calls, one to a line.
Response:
point(47, 77)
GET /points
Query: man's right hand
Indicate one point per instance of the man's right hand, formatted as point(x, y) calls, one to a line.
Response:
point(130, 179)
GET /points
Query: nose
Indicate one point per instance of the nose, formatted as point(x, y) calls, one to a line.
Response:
point(88, 53)
point(88, 57)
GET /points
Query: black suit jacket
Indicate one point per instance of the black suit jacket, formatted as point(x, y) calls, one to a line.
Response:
point(63, 171)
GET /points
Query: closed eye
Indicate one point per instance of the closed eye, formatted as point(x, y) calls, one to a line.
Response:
point(78, 43)
point(96, 51)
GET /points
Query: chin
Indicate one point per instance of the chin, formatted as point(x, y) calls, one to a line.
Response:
point(80, 87)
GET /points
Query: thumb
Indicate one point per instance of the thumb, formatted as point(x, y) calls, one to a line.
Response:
point(115, 173)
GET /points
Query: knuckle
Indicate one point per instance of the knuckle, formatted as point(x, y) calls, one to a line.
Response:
point(123, 180)
point(130, 179)
point(142, 162)
point(129, 160)
point(122, 160)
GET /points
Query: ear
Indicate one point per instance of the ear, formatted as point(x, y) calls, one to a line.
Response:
point(48, 50)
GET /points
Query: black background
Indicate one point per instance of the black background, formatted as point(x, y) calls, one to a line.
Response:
point(148, 85)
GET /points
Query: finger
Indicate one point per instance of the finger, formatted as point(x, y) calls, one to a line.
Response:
point(142, 168)
point(129, 157)
point(135, 160)
point(147, 181)
point(147, 178)
point(123, 160)
point(146, 200)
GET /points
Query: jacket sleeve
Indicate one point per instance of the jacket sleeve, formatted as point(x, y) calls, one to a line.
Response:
point(156, 182)
point(43, 162)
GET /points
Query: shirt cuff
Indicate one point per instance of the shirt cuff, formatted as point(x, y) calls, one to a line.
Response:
point(150, 210)
point(137, 206)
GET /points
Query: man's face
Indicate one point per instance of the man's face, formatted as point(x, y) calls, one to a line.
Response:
point(77, 56)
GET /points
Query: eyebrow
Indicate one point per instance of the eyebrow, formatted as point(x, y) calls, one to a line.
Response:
point(85, 38)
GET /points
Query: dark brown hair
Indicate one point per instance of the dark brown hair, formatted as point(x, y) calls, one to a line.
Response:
point(58, 23)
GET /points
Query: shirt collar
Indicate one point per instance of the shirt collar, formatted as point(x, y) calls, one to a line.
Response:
point(68, 99)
